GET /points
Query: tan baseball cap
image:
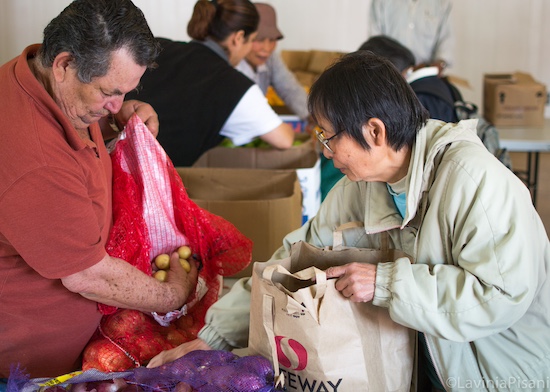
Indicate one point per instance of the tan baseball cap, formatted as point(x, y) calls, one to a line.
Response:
point(267, 27)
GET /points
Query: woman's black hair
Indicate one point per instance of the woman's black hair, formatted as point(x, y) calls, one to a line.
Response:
point(361, 86)
point(387, 47)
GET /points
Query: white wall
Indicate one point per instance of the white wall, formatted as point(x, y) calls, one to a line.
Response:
point(491, 35)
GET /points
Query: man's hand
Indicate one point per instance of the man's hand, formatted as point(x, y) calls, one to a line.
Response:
point(177, 275)
point(117, 283)
point(355, 280)
point(178, 352)
point(143, 110)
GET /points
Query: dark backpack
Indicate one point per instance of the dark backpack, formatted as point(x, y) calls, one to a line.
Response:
point(452, 100)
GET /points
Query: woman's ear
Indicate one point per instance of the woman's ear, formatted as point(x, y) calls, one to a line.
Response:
point(374, 132)
point(239, 37)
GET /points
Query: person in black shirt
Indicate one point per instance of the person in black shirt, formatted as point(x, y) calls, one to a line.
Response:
point(199, 96)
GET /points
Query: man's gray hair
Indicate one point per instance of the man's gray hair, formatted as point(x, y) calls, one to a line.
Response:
point(91, 30)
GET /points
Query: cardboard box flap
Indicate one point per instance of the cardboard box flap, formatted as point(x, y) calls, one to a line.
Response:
point(522, 77)
point(457, 80)
point(510, 78)
point(499, 78)
point(227, 184)
point(292, 158)
point(303, 159)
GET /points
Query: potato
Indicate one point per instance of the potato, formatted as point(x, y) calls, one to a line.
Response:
point(185, 264)
point(162, 261)
point(184, 252)
point(160, 275)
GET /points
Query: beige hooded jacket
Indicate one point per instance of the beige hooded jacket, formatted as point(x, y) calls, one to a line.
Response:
point(479, 289)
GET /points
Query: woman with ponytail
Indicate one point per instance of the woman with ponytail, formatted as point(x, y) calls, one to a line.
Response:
point(199, 96)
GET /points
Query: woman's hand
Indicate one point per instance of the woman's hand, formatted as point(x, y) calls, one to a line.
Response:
point(177, 352)
point(355, 280)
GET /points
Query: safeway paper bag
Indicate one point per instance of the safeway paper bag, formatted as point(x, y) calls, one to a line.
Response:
point(319, 340)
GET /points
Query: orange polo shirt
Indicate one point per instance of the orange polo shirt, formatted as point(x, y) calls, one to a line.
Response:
point(55, 216)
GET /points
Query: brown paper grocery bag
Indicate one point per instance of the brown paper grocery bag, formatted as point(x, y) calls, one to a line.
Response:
point(319, 340)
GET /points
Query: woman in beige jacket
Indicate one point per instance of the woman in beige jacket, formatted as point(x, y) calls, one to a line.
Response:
point(478, 293)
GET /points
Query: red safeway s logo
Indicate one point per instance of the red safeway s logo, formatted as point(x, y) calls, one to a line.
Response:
point(291, 345)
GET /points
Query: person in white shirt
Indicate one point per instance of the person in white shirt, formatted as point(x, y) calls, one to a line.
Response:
point(199, 96)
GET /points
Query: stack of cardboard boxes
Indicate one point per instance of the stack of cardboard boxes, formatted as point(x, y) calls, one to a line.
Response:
point(266, 193)
point(264, 205)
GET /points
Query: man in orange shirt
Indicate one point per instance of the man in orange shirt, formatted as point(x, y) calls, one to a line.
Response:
point(55, 186)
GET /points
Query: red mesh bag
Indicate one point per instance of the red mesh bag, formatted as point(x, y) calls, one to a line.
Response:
point(130, 338)
point(152, 214)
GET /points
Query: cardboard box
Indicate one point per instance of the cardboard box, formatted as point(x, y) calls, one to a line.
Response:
point(265, 205)
point(513, 99)
point(296, 59)
point(308, 65)
point(303, 159)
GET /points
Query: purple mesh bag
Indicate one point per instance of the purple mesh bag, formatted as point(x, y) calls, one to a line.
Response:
point(200, 371)
point(211, 371)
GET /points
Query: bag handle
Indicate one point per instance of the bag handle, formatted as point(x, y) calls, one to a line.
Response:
point(305, 276)
point(268, 312)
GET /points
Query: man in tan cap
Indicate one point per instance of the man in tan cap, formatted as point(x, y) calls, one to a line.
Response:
point(266, 68)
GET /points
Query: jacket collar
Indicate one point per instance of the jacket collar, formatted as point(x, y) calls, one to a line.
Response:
point(431, 142)
point(385, 215)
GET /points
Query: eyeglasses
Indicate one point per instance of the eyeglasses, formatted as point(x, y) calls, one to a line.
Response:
point(324, 141)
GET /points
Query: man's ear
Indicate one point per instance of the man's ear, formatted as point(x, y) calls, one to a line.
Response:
point(374, 132)
point(61, 65)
